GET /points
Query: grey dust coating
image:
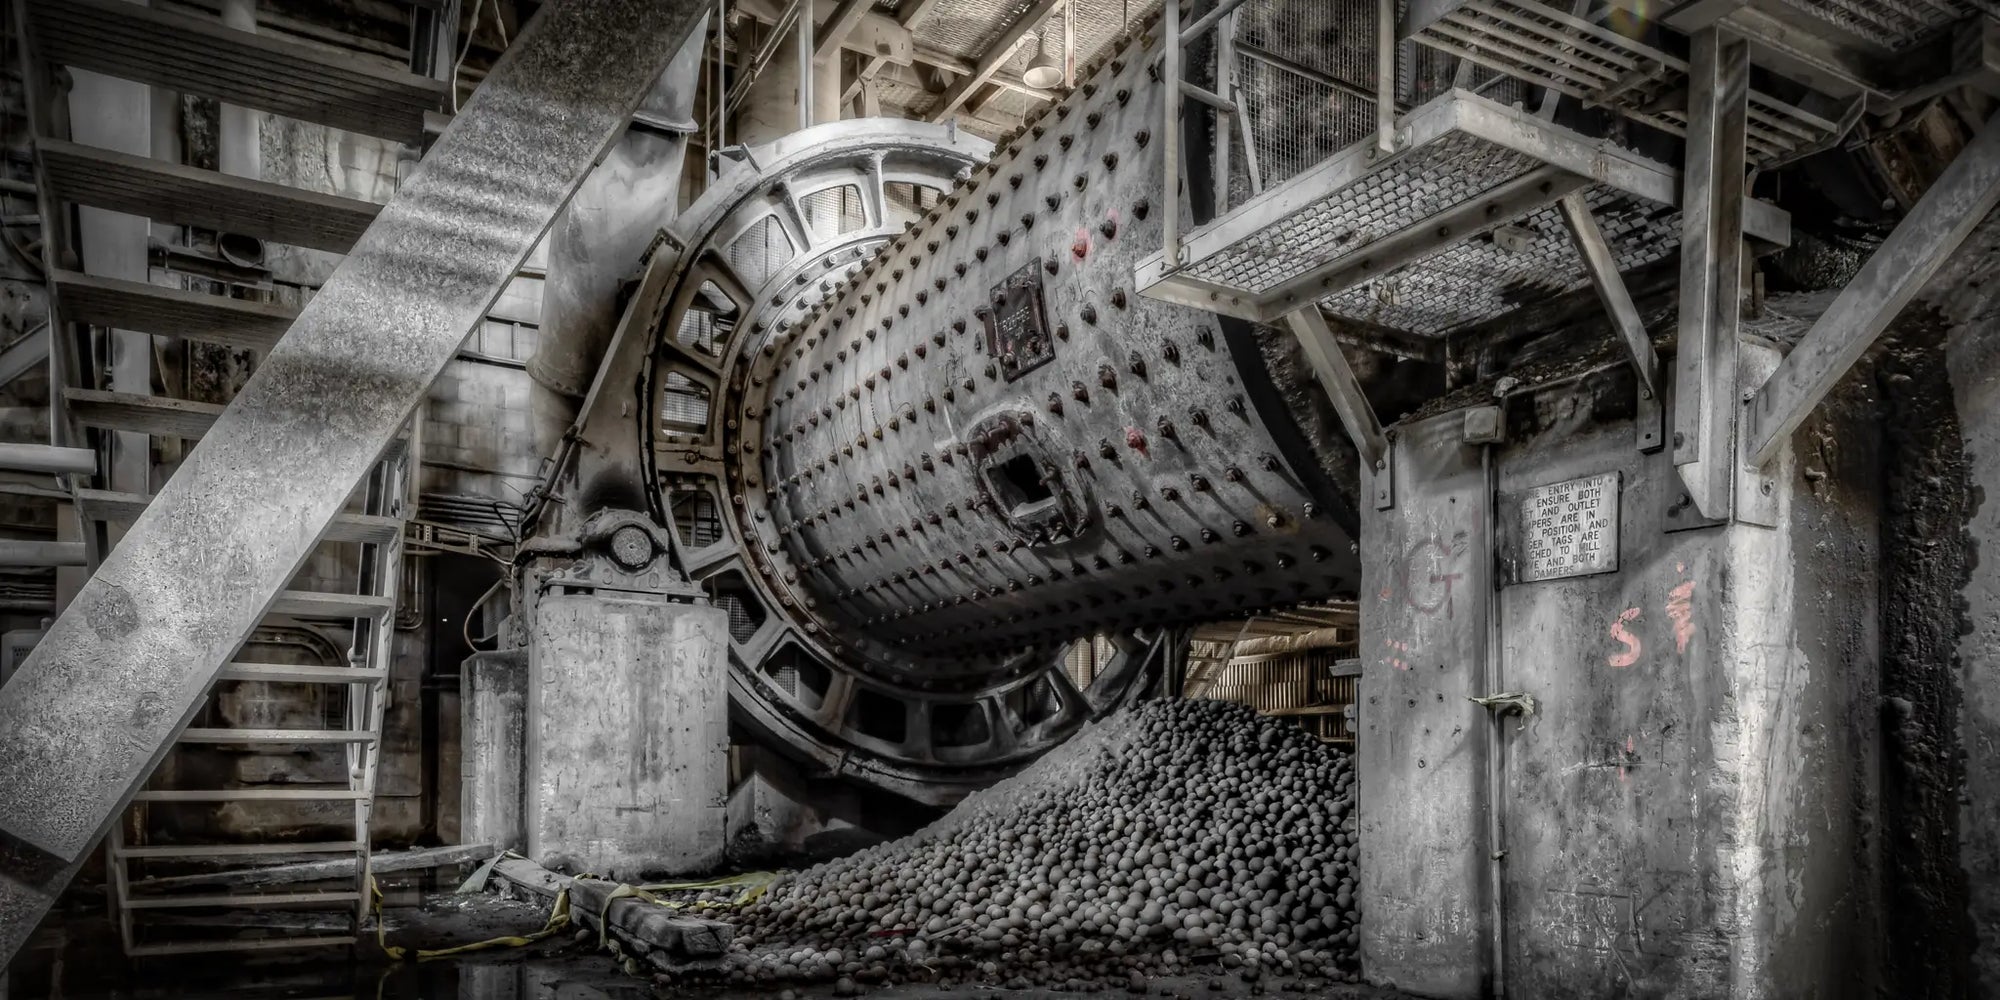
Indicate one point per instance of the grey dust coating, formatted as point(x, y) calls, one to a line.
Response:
point(121, 671)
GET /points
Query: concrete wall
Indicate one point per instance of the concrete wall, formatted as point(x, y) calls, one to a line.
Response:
point(1684, 813)
point(1955, 483)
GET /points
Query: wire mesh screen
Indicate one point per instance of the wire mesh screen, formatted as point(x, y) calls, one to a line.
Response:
point(683, 405)
point(1306, 77)
point(761, 251)
point(833, 212)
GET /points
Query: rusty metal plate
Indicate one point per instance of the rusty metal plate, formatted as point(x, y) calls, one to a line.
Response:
point(1017, 326)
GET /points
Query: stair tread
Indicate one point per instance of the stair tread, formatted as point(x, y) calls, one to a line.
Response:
point(297, 673)
point(318, 604)
point(171, 192)
point(241, 944)
point(244, 899)
point(174, 312)
point(107, 505)
point(131, 411)
point(248, 795)
point(207, 734)
point(192, 55)
point(234, 850)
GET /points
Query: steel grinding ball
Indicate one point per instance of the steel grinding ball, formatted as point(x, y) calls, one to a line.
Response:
point(1178, 832)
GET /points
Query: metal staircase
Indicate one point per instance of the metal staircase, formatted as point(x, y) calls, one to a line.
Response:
point(154, 876)
point(246, 749)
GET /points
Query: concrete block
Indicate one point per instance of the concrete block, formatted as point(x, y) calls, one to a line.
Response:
point(1680, 780)
point(628, 704)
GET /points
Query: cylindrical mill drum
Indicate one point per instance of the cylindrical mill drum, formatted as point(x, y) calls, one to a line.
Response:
point(920, 435)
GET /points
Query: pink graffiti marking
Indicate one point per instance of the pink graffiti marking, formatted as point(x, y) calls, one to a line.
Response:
point(1439, 554)
point(1680, 608)
point(1630, 654)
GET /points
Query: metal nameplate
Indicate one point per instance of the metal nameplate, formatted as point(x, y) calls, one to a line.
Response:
point(1560, 530)
point(1017, 327)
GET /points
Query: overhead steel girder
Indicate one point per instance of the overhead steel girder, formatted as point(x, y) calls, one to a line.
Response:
point(119, 674)
point(1961, 198)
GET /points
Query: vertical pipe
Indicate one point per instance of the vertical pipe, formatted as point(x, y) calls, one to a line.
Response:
point(1385, 75)
point(237, 150)
point(1493, 677)
point(806, 63)
point(1225, 79)
point(1173, 135)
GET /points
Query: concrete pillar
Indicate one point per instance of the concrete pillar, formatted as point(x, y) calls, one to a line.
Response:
point(770, 109)
point(827, 88)
point(117, 114)
point(628, 733)
point(1681, 814)
point(493, 741)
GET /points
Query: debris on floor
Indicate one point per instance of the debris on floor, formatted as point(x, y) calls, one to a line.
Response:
point(1177, 838)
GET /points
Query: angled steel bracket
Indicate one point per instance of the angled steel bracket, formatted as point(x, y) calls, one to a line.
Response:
point(1590, 245)
point(1962, 197)
point(120, 673)
point(1344, 390)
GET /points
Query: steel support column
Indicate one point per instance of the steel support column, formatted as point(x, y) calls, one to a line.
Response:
point(97, 703)
point(1711, 269)
point(1960, 199)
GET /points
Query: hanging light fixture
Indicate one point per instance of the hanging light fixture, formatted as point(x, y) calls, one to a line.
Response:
point(1045, 72)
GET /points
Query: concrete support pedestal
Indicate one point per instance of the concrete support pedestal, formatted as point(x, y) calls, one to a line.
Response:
point(628, 734)
point(1681, 812)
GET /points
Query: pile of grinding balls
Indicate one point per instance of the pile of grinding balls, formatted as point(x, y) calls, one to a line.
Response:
point(1173, 839)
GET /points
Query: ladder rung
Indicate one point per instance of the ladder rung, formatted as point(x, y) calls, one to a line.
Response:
point(192, 55)
point(247, 899)
point(24, 457)
point(251, 944)
point(277, 736)
point(174, 312)
point(105, 505)
point(249, 795)
point(315, 604)
point(233, 850)
point(170, 192)
point(131, 411)
point(290, 673)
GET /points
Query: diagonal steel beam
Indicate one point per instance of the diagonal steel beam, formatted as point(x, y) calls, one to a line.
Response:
point(836, 29)
point(25, 355)
point(1962, 197)
point(94, 707)
point(997, 54)
point(1343, 390)
point(1624, 315)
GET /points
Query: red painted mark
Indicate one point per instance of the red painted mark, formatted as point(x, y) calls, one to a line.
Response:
point(1437, 554)
point(1680, 608)
point(1630, 654)
point(1386, 592)
point(1081, 248)
point(1135, 440)
point(1628, 756)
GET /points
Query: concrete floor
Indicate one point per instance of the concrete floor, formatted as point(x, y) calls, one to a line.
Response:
point(556, 969)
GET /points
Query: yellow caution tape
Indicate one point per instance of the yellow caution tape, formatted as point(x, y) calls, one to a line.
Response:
point(558, 921)
point(754, 886)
